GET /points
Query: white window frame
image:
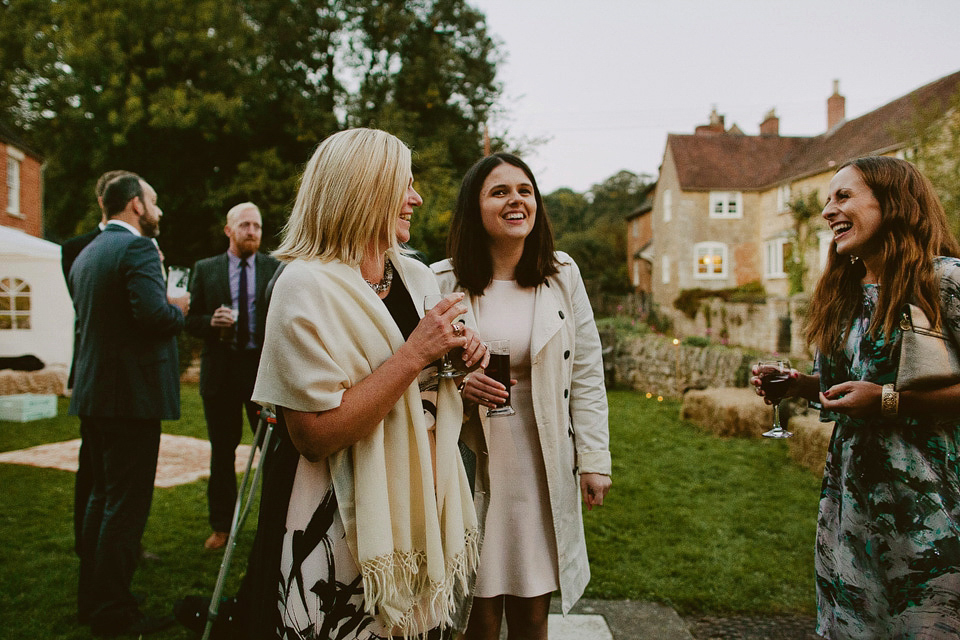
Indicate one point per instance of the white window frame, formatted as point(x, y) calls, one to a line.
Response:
point(635, 228)
point(775, 266)
point(14, 160)
point(667, 205)
point(12, 291)
point(726, 204)
point(783, 198)
point(712, 249)
point(665, 269)
point(636, 272)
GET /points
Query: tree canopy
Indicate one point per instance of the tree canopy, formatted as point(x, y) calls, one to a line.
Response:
point(592, 227)
point(220, 101)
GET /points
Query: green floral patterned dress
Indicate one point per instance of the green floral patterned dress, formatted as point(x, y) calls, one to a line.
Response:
point(888, 531)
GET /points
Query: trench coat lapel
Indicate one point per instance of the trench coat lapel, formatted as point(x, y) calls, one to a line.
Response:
point(548, 319)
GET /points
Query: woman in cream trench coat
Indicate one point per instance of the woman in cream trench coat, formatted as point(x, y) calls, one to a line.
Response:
point(569, 402)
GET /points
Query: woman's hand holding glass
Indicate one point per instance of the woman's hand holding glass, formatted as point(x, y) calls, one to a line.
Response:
point(789, 390)
point(481, 389)
point(438, 332)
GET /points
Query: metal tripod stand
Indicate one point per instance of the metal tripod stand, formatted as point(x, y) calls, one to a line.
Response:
point(240, 511)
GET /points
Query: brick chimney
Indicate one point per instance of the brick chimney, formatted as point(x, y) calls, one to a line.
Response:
point(771, 124)
point(836, 107)
point(715, 127)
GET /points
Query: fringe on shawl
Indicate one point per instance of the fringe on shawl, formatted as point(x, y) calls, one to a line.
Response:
point(397, 582)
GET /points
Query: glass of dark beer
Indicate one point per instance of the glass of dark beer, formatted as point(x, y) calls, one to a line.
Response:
point(229, 334)
point(499, 370)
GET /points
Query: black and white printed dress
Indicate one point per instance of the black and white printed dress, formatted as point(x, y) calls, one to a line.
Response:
point(317, 593)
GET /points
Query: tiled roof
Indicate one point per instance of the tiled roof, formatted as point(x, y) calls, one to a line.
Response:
point(879, 131)
point(730, 161)
point(756, 162)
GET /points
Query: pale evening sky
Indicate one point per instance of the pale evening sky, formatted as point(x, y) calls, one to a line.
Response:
point(605, 80)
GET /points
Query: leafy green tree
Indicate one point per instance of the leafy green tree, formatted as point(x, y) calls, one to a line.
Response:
point(805, 209)
point(217, 102)
point(567, 210)
point(592, 227)
point(934, 139)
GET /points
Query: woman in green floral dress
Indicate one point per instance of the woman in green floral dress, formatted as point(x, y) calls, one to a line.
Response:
point(888, 531)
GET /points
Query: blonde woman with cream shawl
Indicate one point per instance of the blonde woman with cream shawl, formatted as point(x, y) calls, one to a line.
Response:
point(380, 532)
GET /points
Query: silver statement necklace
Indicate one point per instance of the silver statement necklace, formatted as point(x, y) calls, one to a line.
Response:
point(383, 285)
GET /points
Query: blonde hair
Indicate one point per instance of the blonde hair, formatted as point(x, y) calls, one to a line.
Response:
point(351, 194)
point(238, 209)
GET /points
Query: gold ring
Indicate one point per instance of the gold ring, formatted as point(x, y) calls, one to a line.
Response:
point(457, 328)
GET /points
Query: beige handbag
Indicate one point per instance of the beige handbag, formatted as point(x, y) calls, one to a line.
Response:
point(928, 356)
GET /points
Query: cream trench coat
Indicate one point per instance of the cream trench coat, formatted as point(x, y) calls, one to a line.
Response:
point(569, 402)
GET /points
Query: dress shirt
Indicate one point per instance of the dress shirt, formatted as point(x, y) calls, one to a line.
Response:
point(234, 268)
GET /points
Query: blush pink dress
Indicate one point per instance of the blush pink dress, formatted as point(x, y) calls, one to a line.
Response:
point(519, 553)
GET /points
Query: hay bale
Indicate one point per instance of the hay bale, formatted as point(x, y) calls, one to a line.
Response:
point(728, 411)
point(49, 380)
point(808, 446)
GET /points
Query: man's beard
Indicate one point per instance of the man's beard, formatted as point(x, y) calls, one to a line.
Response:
point(150, 228)
point(247, 248)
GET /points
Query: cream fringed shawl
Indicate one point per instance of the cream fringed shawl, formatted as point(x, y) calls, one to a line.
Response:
point(414, 541)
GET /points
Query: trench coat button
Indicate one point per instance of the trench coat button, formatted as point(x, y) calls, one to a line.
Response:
point(566, 393)
point(570, 432)
point(566, 354)
point(561, 315)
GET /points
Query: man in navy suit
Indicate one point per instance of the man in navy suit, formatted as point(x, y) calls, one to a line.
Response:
point(83, 482)
point(126, 381)
point(229, 310)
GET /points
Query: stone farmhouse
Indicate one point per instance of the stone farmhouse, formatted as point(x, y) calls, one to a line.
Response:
point(720, 215)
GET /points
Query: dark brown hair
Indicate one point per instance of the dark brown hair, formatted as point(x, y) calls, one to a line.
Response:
point(102, 181)
point(119, 192)
point(913, 229)
point(468, 243)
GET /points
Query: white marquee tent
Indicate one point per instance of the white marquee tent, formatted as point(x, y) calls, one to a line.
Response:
point(36, 313)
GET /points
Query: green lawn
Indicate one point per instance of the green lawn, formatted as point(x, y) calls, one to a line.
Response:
point(701, 523)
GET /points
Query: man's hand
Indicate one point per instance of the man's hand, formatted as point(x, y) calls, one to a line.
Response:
point(180, 302)
point(222, 318)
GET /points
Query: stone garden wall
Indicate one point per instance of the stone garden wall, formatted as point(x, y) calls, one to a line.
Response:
point(713, 383)
point(655, 364)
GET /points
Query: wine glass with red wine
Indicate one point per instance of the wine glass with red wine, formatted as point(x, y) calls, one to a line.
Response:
point(774, 380)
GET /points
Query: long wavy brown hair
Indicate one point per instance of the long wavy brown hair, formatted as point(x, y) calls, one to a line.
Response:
point(913, 229)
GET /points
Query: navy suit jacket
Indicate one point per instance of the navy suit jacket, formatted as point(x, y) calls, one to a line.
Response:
point(72, 248)
point(126, 363)
point(210, 288)
point(68, 253)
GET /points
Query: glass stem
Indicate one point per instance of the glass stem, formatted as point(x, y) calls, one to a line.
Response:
point(776, 415)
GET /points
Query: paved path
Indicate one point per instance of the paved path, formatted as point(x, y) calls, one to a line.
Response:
point(617, 620)
point(182, 459)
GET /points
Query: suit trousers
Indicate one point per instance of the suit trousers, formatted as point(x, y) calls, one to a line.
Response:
point(123, 461)
point(224, 414)
point(83, 485)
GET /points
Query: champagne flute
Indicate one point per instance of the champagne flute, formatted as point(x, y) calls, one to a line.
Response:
point(499, 370)
point(774, 379)
point(447, 368)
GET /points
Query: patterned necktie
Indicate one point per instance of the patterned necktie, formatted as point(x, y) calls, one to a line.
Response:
point(243, 312)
